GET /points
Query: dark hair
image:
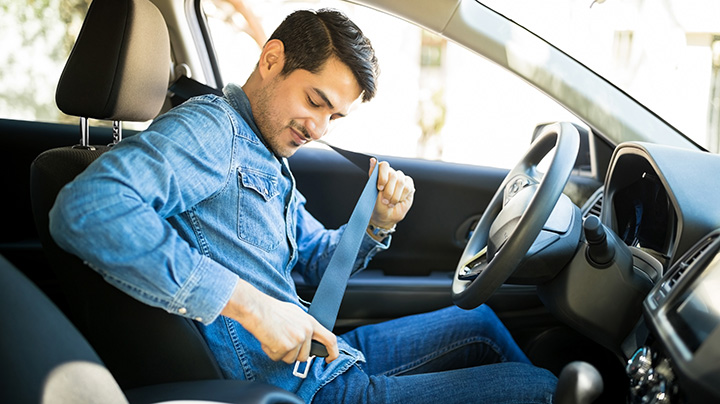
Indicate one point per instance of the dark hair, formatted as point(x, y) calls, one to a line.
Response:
point(311, 38)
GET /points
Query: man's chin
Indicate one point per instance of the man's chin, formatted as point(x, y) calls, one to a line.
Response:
point(287, 152)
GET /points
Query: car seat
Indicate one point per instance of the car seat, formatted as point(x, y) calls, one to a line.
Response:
point(44, 359)
point(118, 70)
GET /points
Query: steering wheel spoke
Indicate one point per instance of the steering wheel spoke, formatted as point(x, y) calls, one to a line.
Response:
point(515, 216)
point(474, 266)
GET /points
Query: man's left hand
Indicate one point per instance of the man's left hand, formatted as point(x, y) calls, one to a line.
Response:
point(395, 195)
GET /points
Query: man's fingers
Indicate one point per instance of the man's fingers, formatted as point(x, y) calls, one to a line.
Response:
point(383, 174)
point(292, 356)
point(328, 339)
point(390, 186)
point(273, 354)
point(398, 189)
point(304, 352)
point(409, 189)
point(373, 162)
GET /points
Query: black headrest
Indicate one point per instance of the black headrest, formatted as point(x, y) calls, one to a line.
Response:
point(120, 65)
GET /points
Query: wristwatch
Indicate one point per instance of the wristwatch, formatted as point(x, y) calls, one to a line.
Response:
point(379, 231)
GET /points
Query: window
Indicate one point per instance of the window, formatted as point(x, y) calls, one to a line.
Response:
point(662, 53)
point(435, 99)
point(37, 39)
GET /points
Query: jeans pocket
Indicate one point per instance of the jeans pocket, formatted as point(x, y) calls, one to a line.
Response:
point(261, 219)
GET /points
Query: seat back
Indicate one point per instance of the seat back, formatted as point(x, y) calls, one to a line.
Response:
point(118, 70)
point(43, 357)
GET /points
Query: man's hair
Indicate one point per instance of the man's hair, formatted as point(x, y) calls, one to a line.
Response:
point(311, 38)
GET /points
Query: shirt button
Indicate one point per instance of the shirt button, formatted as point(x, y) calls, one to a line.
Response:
point(182, 310)
point(198, 319)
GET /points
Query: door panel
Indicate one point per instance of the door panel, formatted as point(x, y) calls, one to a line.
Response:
point(414, 275)
point(447, 197)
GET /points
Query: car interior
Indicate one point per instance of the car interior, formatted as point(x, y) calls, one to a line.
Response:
point(603, 266)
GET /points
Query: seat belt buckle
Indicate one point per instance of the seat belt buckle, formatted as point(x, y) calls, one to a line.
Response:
point(303, 374)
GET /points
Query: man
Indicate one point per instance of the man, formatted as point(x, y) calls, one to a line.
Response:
point(199, 215)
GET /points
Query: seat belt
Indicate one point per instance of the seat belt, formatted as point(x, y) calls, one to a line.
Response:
point(328, 296)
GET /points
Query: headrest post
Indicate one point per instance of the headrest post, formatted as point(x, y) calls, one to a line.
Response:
point(117, 132)
point(84, 132)
point(84, 135)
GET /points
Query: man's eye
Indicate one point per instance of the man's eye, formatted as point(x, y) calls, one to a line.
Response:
point(312, 102)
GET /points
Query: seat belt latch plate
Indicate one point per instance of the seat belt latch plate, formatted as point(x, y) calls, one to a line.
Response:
point(302, 374)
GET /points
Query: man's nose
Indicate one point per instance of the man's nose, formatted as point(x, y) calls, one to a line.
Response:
point(318, 126)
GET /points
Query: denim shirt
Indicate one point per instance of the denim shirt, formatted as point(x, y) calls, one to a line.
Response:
point(176, 214)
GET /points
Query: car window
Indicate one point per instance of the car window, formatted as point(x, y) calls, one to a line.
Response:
point(37, 39)
point(665, 54)
point(435, 100)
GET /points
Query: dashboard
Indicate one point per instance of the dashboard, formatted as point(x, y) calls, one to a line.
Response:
point(661, 199)
point(683, 313)
point(663, 202)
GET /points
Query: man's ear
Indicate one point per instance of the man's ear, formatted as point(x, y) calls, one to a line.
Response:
point(272, 59)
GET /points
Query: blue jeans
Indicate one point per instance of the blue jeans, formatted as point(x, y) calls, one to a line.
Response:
point(443, 357)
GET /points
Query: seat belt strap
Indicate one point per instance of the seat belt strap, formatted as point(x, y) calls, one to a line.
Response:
point(328, 296)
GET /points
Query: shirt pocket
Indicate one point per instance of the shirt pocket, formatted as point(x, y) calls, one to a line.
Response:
point(261, 220)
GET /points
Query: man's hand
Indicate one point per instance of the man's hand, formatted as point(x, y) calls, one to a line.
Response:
point(284, 330)
point(395, 196)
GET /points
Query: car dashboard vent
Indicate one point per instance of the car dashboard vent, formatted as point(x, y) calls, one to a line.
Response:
point(593, 207)
point(687, 261)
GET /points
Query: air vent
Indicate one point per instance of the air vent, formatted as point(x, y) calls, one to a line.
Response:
point(675, 278)
point(688, 261)
point(593, 207)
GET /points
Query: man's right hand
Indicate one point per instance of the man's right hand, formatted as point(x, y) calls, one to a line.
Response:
point(284, 330)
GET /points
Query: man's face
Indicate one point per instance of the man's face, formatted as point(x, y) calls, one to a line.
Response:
point(295, 109)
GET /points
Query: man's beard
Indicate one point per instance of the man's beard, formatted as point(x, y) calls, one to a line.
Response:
point(266, 120)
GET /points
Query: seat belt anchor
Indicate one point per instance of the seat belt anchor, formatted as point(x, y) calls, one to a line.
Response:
point(303, 374)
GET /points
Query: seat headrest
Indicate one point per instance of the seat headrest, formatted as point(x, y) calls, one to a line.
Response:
point(119, 67)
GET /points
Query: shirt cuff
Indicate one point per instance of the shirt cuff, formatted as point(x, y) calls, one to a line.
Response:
point(206, 292)
point(368, 248)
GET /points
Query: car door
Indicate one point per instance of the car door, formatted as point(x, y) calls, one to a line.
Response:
point(414, 275)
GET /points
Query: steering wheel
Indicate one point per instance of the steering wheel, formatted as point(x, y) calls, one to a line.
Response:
point(515, 216)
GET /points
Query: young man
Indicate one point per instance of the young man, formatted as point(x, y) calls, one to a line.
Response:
point(199, 215)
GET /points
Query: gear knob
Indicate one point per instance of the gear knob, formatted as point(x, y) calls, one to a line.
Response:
point(579, 383)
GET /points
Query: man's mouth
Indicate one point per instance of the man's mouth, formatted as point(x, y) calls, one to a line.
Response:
point(299, 137)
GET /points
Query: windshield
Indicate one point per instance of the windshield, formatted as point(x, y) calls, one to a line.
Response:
point(663, 53)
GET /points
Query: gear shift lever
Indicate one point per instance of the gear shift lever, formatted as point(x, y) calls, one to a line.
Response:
point(579, 383)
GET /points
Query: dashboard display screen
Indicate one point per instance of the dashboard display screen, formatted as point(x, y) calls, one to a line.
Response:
point(698, 313)
point(642, 211)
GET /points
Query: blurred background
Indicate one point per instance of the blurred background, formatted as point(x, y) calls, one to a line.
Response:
point(436, 100)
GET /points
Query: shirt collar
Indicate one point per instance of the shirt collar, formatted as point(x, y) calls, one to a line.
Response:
point(239, 100)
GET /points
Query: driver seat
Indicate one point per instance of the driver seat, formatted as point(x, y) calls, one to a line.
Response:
point(118, 70)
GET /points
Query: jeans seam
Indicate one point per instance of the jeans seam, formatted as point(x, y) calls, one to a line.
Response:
point(436, 354)
point(247, 370)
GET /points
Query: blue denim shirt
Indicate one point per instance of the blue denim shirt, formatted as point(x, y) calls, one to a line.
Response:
point(174, 215)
